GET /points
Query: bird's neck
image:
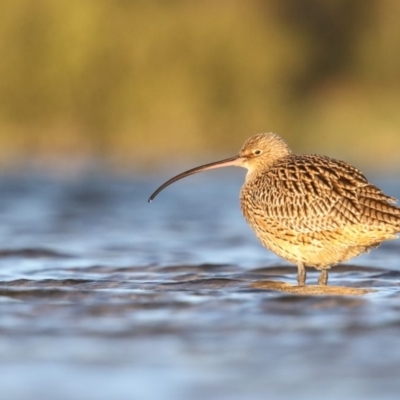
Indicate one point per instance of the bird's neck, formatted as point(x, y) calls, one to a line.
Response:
point(254, 171)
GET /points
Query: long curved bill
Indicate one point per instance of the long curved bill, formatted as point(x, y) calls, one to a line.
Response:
point(228, 162)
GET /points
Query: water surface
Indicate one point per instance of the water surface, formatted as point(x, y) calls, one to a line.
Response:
point(106, 296)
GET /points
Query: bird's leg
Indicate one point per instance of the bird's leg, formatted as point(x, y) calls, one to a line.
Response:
point(323, 277)
point(301, 274)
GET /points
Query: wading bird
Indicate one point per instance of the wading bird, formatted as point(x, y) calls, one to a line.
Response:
point(311, 210)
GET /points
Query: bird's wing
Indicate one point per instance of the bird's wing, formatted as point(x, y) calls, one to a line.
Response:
point(316, 193)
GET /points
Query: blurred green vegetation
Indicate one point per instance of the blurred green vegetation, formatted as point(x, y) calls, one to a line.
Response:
point(141, 82)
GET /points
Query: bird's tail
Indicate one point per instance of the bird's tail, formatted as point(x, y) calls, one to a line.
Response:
point(379, 208)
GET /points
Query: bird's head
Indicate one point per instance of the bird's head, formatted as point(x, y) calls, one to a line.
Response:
point(257, 154)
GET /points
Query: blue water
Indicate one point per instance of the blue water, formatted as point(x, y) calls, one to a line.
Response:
point(104, 296)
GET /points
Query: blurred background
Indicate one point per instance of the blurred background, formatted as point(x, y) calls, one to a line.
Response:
point(136, 84)
point(103, 296)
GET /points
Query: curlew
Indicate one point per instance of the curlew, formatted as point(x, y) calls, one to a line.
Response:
point(311, 210)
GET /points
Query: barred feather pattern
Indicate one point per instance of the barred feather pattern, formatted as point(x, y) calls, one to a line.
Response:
point(316, 210)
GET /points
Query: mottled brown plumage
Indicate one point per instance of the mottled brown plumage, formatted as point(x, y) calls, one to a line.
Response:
point(310, 210)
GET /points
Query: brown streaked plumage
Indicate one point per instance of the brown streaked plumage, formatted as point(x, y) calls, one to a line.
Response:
point(311, 210)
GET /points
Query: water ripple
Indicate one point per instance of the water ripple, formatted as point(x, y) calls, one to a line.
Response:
point(102, 295)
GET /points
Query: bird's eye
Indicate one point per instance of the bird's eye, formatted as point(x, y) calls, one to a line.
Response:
point(257, 152)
